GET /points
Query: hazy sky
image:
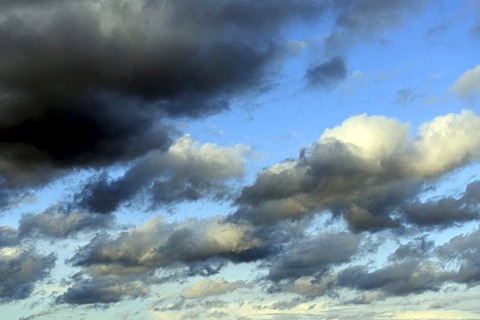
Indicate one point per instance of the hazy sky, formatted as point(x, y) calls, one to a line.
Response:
point(217, 159)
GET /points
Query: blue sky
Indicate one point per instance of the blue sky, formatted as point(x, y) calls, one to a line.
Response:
point(239, 159)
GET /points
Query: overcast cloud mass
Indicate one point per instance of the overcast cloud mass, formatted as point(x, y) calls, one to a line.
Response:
point(301, 159)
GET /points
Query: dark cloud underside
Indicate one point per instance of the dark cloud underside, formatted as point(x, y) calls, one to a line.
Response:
point(88, 85)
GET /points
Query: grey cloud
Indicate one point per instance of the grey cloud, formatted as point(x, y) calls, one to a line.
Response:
point(357, 21)
point(102, 291)
point(368, 171)
point(156, 244)
point(467, 86)
point(460, 245)
point(406, 96)
point(465, 250)
point(8, 236)
point(403, 278)
point(186, 171)
point(55, 222)
point(20, 269)
point(142, 254)
point(87, 85)
point(469, 272)
point(327, 74)
point(446, 211)
point(313, 256)
point(419, 248)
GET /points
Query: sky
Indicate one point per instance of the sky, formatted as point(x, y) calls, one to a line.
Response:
point(220, 159)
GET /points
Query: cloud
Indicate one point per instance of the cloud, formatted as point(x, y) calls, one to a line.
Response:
point(8, 236)
point(327, 74)
point(207, 288)
point(186, 171)
point(467, 86)
point(406, 96)
point(20, 269)
point(313, 256)
point(365, 170)
point(465, 250)
point(446, 211)
point(157, 244)
point(419, 248)
point(102, 291)
point(363, 20)
point(403, 278)
point(89, 84)
point(201, 247)
point(56, 223)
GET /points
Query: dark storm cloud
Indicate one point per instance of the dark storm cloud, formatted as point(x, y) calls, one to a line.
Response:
point(327, 74)
point(20, 269)
point(86, 84)
point(59, 223)
point(187, 171)
point(370, 172)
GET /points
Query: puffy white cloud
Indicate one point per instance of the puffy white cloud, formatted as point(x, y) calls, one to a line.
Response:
point(447, 142)
point(373, 138)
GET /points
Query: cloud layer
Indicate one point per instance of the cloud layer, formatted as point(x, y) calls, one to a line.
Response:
point(367, 171)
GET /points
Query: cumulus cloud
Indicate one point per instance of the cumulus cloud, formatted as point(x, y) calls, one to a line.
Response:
point(20, 269)
point(187, 171)
point(57, 223)
point(467, 85)
point(365, 170)
point(207, 287)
